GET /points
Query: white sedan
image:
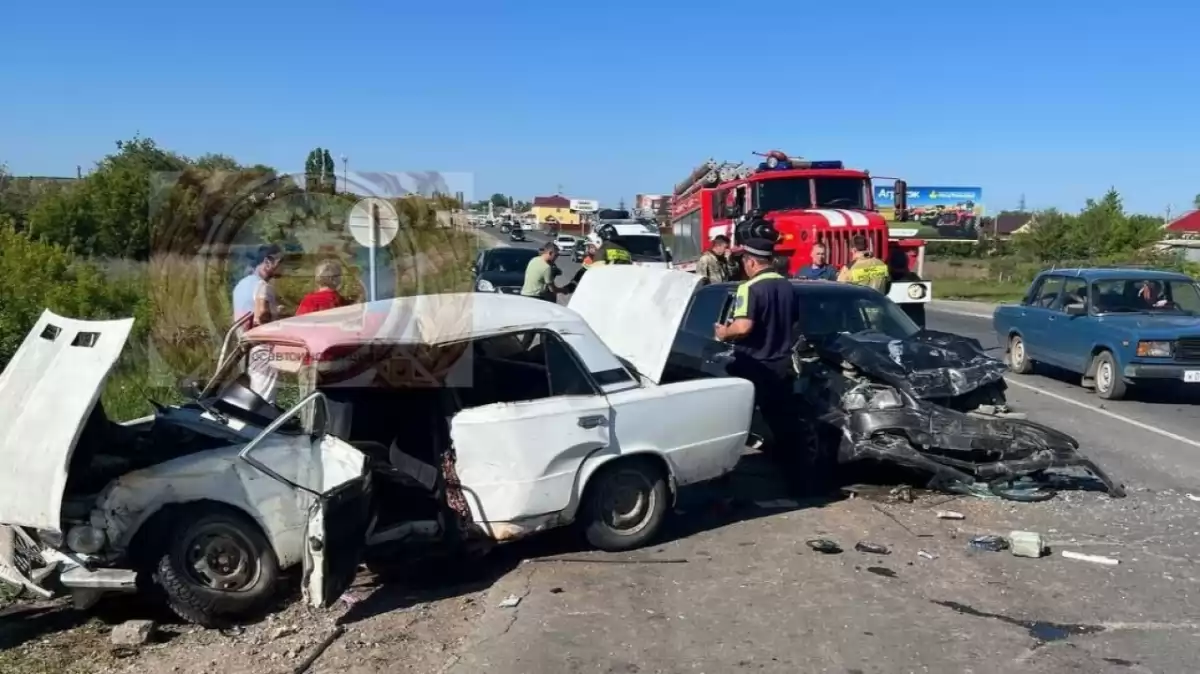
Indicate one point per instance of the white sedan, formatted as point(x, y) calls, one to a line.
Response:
point(565, 244)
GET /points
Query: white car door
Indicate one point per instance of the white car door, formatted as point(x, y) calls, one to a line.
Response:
point(333, 480)
point(521, 459)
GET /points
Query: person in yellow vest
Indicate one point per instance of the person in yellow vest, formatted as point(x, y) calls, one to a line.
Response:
point(865, 269)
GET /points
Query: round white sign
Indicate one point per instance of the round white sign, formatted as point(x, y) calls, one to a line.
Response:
point(377, 211)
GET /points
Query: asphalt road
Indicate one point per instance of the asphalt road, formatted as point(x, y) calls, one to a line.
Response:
point(734, 588)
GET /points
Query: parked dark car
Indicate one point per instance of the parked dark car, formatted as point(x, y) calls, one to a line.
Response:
point(580, 251)
point(517, 234)
point(502, 269)
point(1112, 327)
point(877, 386)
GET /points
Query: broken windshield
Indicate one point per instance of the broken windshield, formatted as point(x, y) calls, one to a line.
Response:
point(826, 312)
point(1141, 295)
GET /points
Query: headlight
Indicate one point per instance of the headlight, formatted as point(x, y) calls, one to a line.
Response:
point(1154, 349)
point(872, 398)
point(485, 286)
point(85, 539)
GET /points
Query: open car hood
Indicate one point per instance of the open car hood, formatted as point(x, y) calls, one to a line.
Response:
point(47, 393)
point(636, 311)
point(929, 365)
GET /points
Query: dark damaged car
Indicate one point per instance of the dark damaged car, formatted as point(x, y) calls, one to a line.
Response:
point(880, 387)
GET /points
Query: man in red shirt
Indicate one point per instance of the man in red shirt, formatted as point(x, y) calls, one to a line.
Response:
point(326, 296)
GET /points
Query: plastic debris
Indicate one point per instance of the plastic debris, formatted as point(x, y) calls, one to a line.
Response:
point(873, 548)
point(510, 601)
point(926, 555)
point(1192, 497)
point(989, 543)
point(1027, 544)
point(950, 515)
point(1094, 559)
point(824, 546)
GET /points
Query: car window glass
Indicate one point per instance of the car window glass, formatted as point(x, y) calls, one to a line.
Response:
point(1049, 292)
point(567, 377)
point(1186, 296)
point(1033, 291)
point(708, 307)
point(1074, 292)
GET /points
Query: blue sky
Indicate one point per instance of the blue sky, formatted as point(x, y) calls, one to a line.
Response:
point(1054, 100)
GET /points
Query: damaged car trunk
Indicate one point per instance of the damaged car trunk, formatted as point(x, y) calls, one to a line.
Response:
point(881, 388)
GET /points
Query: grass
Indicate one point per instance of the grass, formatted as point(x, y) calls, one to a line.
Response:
point(978, 280)
point(189, 310)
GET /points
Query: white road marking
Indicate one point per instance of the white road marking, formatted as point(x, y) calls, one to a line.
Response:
point(1078, 403)
point(1099, 410)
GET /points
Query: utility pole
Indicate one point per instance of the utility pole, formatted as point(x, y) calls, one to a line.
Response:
point(560, 189)
point(345, 174)
point(1021, 204)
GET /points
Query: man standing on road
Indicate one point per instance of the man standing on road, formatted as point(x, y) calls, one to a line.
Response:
point(539, 275)
point(254, 299)
point(820, 269)
point(761, 329)
point(713, 266)
point(866, 269)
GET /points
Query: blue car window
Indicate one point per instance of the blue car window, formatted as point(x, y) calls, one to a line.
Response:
point(1048, 294)
point(1074, 292)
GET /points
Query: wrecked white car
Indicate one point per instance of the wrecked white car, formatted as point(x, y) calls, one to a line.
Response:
point(427, 420)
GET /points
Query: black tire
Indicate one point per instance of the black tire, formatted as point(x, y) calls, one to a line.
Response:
point(214, 530)
point(1018, 359)
point(1109, 384)
point(601, 521)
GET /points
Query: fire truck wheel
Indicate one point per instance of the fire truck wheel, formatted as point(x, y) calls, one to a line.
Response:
point(625, 504)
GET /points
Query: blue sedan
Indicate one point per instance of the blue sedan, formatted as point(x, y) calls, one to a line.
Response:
point(1114, 327)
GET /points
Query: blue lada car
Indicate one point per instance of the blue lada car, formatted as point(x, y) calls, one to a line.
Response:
point(1115, 327)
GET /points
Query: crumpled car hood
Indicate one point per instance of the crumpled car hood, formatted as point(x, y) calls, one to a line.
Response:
point(929, 365)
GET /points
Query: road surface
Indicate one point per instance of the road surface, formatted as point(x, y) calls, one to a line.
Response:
point(734, 588)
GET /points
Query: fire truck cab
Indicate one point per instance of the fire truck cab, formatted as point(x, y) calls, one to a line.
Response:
point(805, 202)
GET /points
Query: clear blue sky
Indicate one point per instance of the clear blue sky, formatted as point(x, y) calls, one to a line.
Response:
point(1054, 100)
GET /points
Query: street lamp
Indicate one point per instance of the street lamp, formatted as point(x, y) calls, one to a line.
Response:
point(345, 174)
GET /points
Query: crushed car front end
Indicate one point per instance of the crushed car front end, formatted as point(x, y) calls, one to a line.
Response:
point(934, 402)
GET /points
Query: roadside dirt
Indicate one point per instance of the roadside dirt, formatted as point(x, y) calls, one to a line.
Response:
point(388, 628)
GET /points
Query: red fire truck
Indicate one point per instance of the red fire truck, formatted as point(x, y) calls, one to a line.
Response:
point(806, 202)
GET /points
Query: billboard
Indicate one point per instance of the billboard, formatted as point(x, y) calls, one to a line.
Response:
point(585, 205)
point(652, 204)
point(954, 212)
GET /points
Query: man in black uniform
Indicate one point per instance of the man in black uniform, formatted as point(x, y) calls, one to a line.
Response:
point(762, 330)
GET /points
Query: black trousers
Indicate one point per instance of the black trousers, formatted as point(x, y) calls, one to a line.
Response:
point(793, 444)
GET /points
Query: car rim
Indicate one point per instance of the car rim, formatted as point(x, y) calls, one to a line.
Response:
point(1104, 377)
point(626, 501)
point(1018, 353)
point(221, 557)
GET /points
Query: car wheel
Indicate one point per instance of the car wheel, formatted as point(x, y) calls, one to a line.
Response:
point(626, 505)
point(1018, 360)
point(1109, 384)
point(218, 568)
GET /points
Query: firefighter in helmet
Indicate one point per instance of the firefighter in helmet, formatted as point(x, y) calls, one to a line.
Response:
point(610, 250)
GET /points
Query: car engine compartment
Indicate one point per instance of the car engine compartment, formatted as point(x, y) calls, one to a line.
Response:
point(934, 403)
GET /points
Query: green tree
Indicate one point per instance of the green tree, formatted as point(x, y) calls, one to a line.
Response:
point(1196, 202)
point(329, 173)
point(499, 200)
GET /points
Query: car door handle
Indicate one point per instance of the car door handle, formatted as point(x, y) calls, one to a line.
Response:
point(593, 421)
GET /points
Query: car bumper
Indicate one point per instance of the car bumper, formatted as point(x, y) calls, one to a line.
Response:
point(1177, 372)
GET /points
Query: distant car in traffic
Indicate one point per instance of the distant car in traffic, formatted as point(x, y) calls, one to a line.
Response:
point(565, 243)
point(517, 234)
point(580, 251)
point(502, 269)
point(1114, 327)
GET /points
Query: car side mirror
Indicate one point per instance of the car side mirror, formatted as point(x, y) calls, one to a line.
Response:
point(1075, 309)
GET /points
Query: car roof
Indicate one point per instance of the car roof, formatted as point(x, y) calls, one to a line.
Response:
point(508, 249)
point(420, 319)
point(1117, 273)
